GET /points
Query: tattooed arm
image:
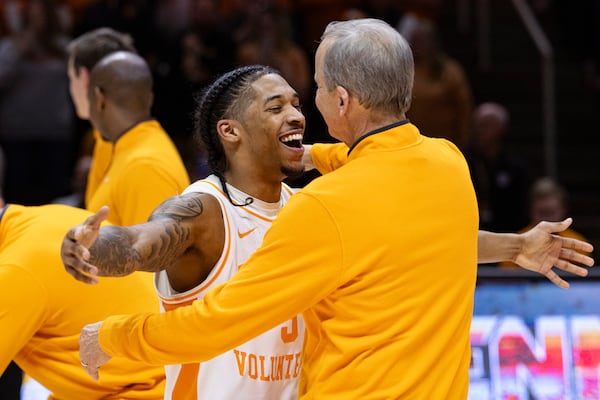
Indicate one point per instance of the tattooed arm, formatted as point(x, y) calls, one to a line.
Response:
point(185, 234)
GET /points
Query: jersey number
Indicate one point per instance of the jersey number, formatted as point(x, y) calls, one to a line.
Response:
point(288, 334)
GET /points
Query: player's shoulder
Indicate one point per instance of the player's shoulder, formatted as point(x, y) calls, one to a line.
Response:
point(189, 205)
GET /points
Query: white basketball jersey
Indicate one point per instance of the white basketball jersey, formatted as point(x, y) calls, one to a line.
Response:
point(266, 367)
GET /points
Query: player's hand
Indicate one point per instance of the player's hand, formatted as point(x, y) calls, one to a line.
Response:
point(91, 354)
point(75, 252)
point(541, 250)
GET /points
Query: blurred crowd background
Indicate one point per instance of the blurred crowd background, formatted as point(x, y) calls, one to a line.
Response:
point(479, 81)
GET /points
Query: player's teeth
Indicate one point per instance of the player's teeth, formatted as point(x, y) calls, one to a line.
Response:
point(292, 137)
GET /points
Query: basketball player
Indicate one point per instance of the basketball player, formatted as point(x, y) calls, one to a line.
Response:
point(250, 122)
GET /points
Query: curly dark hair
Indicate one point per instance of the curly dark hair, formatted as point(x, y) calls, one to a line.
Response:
point(227, 97)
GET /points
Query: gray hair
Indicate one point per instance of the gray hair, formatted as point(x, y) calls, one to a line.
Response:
point(371, 60)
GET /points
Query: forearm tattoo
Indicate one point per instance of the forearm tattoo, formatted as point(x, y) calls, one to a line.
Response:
point(113, 252)
point(151, 246)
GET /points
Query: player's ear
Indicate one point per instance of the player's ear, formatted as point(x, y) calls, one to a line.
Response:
point(228, 130)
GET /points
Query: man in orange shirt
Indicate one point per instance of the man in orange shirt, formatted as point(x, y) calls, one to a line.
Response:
point(144, 166)
point(44, 310)
point(135, 165)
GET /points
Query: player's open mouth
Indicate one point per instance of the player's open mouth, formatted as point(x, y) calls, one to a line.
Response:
point(292, 140)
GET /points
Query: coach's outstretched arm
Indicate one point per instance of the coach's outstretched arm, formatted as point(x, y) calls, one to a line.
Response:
point(538, 249)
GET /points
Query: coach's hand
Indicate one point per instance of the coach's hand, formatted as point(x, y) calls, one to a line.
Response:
point(75, 248)
point(542, 249)
point(91, 354)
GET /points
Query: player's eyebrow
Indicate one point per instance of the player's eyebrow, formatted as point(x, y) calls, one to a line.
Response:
point(277, 97)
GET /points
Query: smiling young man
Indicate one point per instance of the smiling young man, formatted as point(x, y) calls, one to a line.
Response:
point(250, 123)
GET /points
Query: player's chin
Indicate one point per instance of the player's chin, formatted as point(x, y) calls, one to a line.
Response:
point(293, 170)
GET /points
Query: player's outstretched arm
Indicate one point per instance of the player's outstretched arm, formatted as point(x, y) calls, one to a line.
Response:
point(74, 249)
point(89, 251)
point(538, 250)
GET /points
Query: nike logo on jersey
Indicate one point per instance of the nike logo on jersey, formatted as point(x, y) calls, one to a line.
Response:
point(242, 235)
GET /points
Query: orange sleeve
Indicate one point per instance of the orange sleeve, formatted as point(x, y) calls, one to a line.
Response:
point(24, 302)
point(327, 157)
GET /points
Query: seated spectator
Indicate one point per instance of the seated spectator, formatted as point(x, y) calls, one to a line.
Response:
point(36, 115)
point(500, 178)
point(442, 98)
point(548, 201)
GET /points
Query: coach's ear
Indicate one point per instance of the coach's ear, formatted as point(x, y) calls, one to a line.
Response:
point(228, 130)
point(344, 99)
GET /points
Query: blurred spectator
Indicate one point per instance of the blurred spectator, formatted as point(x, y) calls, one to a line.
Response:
point(76, 8)
point(268, 40)
point(134, 17)
point(188, 61)
point(353, 13)
point(172, 17)
point(36, 115)
point(206, 47)
point(442, 97)
point(430, 9)
point(388, 10)
point(266, 37)
point(580, 36)
point(499, 177)
point(12, 20)
point(10, 12)
point(314, 15)
point(548, 201)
